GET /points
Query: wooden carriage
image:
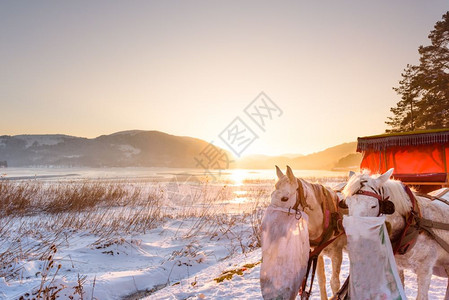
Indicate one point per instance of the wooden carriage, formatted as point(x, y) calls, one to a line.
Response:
point(419, 158)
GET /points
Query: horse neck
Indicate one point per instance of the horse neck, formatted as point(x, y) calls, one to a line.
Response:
point(314, 210)
point(403, 205)
point(397, 194)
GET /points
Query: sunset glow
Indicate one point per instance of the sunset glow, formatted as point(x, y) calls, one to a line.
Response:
point(190, 68)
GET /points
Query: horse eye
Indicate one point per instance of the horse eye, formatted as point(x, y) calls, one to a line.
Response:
point(284, 199)
point(374, 206)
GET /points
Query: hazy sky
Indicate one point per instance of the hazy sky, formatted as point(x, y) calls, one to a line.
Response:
point(88, 68)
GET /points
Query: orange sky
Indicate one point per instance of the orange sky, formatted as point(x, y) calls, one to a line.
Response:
point(191, 67)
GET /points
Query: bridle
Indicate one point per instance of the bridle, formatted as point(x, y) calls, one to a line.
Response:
point(300, 200)
point(385, 205)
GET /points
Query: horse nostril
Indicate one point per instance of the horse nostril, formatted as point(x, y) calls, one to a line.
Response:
point(284, 199)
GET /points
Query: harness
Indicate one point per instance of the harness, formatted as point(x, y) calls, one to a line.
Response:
point(411, 230)
point(385, 205)
point(332, 221)
point(332, 229)
point(414, 222)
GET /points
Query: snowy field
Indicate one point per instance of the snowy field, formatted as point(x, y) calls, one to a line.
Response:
point(139, 234)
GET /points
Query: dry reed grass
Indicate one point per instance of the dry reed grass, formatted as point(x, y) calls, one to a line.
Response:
point(35, 216)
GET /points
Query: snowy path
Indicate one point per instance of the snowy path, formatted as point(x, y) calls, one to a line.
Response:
point(247, 286)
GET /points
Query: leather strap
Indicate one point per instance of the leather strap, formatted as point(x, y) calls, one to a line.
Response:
point(331, 218)
point(379, 198)
point(313, 257)
point(343, 292)
point(409, 233)
point(426, 223)
point(300, 197)
point(370, 194)
point(439, 240)
point(437, 197)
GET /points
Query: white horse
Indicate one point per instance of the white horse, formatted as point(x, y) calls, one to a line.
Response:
point(426, 256)
point(314, 198)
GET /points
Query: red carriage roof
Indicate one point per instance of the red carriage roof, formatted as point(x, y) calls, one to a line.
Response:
point(417, 157)
point(414, 138)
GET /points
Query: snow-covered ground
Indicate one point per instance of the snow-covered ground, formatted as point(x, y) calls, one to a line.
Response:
point(196, 249)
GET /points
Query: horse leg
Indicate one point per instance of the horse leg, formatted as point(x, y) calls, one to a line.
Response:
point(337, 257)
point(446, 296)
point(321, 274)
point(423, 275)
point(401, 276)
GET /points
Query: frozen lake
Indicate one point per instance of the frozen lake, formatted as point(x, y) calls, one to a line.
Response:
point(237, 176)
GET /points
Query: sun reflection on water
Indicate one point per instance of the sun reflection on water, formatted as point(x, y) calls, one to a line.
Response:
point(238, 176)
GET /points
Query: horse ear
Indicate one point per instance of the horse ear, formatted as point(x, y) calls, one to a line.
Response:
point(385, 176)
point(290, 175)
point(279, 172)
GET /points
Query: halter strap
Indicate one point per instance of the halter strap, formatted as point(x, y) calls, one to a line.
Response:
point(300, 197)
point(371, 194)
point(289, 211)
point(378, 196)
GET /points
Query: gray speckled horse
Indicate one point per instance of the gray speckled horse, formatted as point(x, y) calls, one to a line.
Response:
point(426, 257)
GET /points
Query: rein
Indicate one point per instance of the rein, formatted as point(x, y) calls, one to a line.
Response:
point(313, 259)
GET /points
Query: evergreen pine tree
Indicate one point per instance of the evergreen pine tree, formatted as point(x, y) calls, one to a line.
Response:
point(404, 114)
point(424, 89)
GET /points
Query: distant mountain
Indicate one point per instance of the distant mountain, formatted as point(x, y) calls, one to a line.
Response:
point(135, 148)
point(326, 159)
point(340, 157)
point(121, 149)
point(349, 162)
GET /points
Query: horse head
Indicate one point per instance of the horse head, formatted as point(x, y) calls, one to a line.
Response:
point(286, 187)
point(365, 197)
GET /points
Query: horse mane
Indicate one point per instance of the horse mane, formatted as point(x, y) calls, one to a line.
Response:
point(395, 190)
point(354, 184)
point(321, 192)
point(392, 188)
